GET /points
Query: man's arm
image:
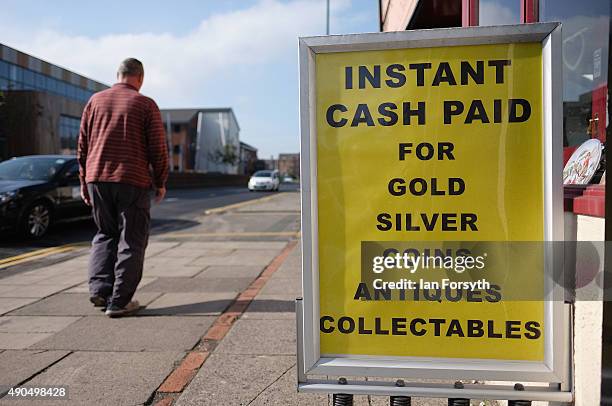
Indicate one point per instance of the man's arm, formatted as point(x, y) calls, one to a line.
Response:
point(158, 150)
point(82, 149)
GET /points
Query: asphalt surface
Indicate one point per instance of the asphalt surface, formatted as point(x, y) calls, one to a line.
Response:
point(176, 213)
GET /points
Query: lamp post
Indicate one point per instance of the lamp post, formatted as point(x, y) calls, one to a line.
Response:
point(327, 20)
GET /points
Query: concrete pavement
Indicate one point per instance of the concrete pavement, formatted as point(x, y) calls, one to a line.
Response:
point(218, 327)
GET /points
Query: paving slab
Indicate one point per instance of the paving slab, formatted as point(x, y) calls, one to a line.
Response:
point(34, 324)
point(265, 337)
point(44, 275)
point(27, 278)
point(67, 279)
point(291, 267)
point(12, 303)
point(185, 271)
point(202, 284)
point(18, 366)
point(282, 202)
point(290, 272)
point(181, 252)
point(234, 379)
point(283, 391)
point(84, 287)
point(168, 261)
point(32, 290)
point(157, 247)
point(271, 307)
point(239, 257)
point(245, 271)
point(18, 341)
point(190, 304)
point(243, 245)
point(80, 262)
point(72, 304)
point(150, 333)
point(276, 286)
point(106, 378)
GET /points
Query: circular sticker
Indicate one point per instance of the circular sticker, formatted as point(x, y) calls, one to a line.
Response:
point(583, 163)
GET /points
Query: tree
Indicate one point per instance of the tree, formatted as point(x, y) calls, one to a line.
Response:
point(226, 155)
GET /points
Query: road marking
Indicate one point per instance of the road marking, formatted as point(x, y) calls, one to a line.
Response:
point(238, 234)
point(223, 209)
point(33, 255)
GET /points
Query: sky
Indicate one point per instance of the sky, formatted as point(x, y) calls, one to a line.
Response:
point(197, 53)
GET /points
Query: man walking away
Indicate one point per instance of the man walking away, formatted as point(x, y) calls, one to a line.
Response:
point(122, 152)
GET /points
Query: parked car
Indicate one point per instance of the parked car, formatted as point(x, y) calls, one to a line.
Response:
point(288, 179)
point(38, 190)
point(264, 180)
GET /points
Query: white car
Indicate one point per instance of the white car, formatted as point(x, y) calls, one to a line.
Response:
point(264, 180)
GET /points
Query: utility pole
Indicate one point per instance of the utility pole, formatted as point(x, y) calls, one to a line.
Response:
point(327, 30)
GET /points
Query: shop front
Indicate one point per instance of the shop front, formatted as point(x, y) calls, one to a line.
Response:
point(586, 37)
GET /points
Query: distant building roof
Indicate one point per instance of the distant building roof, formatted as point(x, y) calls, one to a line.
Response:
point(247, 146)
point(182, 116)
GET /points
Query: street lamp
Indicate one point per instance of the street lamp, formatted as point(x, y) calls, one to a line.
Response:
point(327, 30)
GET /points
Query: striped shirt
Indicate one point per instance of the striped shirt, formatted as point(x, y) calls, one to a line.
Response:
point(122, 139)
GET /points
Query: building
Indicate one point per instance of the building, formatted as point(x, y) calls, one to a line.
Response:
point(289, 165)
point(203, 140)
point(40, 105)
point(586, 37)
point(248, 159)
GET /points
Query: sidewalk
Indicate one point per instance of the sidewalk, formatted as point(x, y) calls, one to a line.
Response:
point(218, 327)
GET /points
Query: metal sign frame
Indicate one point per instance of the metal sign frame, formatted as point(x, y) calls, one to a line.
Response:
point(556, 366)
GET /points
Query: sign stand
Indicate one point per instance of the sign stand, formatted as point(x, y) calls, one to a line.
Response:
point(550, 393)
point(361, 97)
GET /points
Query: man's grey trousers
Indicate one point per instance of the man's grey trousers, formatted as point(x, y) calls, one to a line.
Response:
point(121, 213)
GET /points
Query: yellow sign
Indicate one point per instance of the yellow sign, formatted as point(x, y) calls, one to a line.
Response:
point(427, 145)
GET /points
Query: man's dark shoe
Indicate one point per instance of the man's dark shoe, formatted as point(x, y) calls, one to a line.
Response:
point(98, 301)
point(116, 311)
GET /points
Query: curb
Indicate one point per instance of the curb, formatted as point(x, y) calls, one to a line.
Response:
point(223, 209)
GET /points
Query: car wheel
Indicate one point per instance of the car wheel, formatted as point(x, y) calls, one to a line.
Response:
point(36, 220)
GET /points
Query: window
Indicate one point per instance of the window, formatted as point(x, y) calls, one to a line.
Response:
point(50, 84)
point(69, 132)
point(15, 73)
point(499, 12)
point(17, 78)
point(28, 78)
point(40, 81)
point(586, 26)
point(4, 69)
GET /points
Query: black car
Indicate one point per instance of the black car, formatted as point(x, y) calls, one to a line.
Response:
point(38, 190)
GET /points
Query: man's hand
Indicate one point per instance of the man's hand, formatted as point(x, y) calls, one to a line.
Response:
point(159, 194)
point(85, 194)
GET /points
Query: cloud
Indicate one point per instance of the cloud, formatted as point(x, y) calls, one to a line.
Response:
point(244, 58)
point(179, 66)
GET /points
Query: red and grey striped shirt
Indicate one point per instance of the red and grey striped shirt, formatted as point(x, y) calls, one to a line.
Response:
point(122, 139)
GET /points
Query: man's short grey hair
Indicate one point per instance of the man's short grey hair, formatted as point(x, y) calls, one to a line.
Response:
point(130, 67)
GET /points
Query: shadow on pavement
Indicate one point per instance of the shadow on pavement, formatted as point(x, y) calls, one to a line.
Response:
point(217, 306)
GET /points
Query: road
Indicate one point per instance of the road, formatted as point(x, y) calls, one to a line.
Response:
point(176, 213)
